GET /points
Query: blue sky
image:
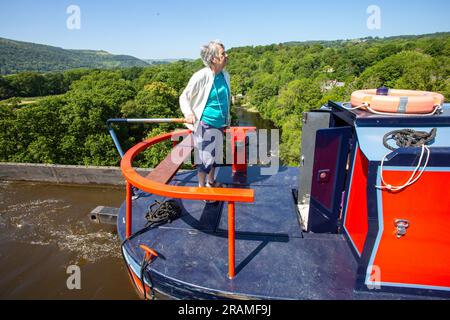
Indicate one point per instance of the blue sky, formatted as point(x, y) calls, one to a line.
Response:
point(156, 29)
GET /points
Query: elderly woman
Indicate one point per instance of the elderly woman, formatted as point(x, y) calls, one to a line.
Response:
point(205, 103)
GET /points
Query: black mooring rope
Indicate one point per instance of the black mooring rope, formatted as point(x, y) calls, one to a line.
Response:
point(166, 211)
point(409, 138)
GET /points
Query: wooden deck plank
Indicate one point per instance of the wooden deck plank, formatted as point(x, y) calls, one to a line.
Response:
point(167, 168)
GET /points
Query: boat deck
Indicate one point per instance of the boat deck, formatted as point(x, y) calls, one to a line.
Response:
point(274, 259)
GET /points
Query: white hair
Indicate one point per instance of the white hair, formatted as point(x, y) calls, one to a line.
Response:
point(209, 51)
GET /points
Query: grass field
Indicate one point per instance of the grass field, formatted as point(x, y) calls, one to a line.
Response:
point(27, 100)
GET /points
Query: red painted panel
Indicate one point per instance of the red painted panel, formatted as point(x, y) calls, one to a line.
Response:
point(356, 220)
point(136, 281)
point(422, 256)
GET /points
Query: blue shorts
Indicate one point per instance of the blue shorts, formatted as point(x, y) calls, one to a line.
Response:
point(207, 139)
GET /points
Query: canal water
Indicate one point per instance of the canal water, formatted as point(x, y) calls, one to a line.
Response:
point(252, 119)
point(45, 230)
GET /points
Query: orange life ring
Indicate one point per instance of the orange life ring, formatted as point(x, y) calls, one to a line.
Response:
point(398, 101)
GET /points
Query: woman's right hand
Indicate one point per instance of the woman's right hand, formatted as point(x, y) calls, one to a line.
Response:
point(190, 119)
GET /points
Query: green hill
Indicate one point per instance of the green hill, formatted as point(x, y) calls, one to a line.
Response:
point(165, 61)
point(370, 40)
point(18, 56)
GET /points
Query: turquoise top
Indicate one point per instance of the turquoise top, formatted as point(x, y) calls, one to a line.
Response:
point(216, 110)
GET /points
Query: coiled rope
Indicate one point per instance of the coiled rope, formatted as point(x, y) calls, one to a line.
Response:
point(162, 212)
point(405, 138)
point(408, 138)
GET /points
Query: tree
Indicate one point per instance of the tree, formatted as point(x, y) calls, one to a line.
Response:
point(265, 86)
point(28, 84)
point(53, 84)
point(99, 150)
point(157, 100)
point(151, 157)
point(405, 70)
point(291, 140)
point(296, 97)
point(8, 134)
point(91, 101)
point(35, 134)
point(6, 90)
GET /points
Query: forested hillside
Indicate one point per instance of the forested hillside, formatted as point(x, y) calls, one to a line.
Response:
point(17, 56)
point(280, 81)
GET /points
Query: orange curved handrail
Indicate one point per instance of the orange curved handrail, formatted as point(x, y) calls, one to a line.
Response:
point(179, 192)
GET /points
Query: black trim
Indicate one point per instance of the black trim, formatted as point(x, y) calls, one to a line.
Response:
point(373, 225)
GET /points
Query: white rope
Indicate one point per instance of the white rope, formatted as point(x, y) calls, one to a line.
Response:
point(412, 179)
point(436, 108)
point(364, 105)
point(367, 106)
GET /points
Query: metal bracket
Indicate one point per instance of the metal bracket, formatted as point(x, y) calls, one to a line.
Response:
point(401, 225)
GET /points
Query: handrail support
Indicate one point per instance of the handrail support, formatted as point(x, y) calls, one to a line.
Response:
point(231, 240)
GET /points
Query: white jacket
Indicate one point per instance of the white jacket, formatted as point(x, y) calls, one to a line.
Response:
point(195, 96)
